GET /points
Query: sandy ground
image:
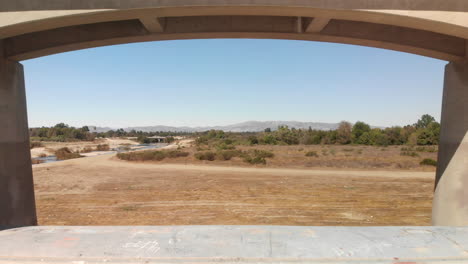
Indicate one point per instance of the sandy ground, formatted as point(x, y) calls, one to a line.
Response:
point(50, 147)
point(103, 190)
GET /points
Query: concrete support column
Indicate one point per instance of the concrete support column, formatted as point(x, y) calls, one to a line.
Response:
point(17, 204)
point(450, 205)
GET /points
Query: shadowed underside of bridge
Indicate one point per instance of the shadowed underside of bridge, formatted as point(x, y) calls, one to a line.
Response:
point(432, 28)
point(32, 29)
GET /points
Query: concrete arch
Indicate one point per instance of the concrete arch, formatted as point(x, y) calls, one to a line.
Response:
point(31, 30)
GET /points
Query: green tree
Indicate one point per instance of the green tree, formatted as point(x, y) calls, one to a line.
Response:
point(378, 138)
point(425, 121)
point(61, 125)
point(358, 130)
point(430, 135)
point(395, 136)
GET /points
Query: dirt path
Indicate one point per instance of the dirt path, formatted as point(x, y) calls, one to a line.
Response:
point(105, 191)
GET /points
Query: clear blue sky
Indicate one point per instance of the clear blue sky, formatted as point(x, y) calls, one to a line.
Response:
point(217, 82)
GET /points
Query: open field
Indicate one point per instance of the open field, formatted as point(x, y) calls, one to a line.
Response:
point(103, 190)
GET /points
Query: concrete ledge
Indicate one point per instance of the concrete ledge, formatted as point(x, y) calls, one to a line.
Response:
point(239, 244)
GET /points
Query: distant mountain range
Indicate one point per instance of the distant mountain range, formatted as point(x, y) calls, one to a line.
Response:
point(250, 126)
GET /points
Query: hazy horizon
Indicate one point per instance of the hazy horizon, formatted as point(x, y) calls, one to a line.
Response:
point(220, 125)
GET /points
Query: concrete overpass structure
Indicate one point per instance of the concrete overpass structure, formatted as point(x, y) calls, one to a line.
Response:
point(31, 29)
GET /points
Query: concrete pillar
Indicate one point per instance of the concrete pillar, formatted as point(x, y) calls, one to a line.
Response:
point(17, 204)
point(450, 205)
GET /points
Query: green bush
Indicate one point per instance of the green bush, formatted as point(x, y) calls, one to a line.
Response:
point(224, 146)
point(429, 162)
point(66, 154)
point(207, 155)
point(312, 154)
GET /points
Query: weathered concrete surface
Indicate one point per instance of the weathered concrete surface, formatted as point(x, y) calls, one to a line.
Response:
point(234, 244)
point(450, 205)
point(17, 206)
point(427, 27)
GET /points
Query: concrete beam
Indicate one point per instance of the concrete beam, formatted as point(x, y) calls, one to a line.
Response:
point(17, 204)
point(420, 42)
point(398, 35)
point(317, 24)
point(422, 5)
point(450, 206)
point(299, 25)
point(152, 24)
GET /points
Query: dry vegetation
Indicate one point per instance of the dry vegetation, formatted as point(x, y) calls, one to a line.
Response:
point(303, 157)
point(103, 190)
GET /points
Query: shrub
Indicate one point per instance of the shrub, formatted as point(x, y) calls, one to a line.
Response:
point(409, 154)
point(253, 140)
point(151, 155)
point(407, 149)
point(142, 156)
point(35, 144)
point(228, 154)
point(224, 146)
point(103, 147)
point(208, 155)
point(87, 150)
point(42, 155)
point(177, 154)
point(66, 154)
point(312, 154)
point(429, 162)
point(255, 160)
point(426, 149)
point(257, 156)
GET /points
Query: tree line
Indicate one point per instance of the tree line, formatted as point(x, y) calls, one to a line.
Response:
point(65, 133)
point(425, 131)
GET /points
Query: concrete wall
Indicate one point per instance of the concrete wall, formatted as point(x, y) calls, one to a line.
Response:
point(17, 204)
point(451, 196)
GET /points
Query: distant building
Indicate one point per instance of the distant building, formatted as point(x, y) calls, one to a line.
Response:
point(157, 139)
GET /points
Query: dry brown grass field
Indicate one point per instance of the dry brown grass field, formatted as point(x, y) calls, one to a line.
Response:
point(329, 157)
point(344, 185)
